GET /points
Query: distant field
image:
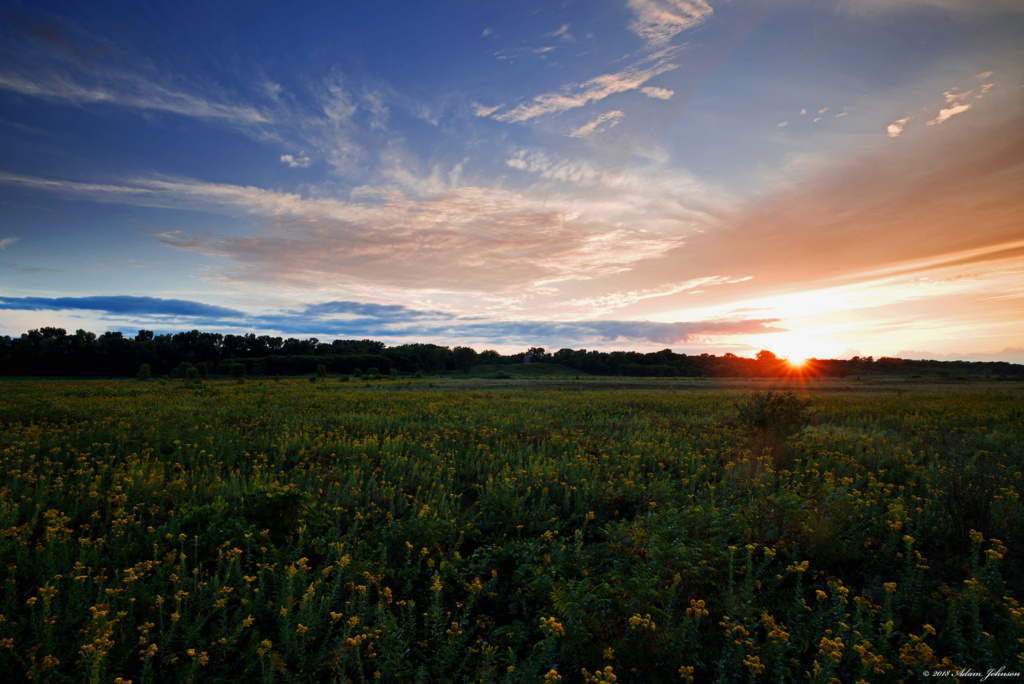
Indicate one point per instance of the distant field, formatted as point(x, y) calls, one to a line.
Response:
point(530, 529)
point(559, 377)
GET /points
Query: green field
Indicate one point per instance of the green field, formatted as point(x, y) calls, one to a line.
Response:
point(508, 530)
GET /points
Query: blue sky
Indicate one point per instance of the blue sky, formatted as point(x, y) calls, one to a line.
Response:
point(815, 178)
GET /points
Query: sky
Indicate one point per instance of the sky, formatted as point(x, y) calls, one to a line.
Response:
point(826, 178)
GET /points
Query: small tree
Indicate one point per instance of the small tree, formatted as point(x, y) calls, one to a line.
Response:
point(145, 372)
point(321, 371)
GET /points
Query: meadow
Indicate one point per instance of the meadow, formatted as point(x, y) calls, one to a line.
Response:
point(506, 531)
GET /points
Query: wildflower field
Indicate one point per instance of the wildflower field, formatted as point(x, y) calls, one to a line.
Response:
point(328, 531)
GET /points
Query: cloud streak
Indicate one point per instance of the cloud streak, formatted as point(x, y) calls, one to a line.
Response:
point(434, 232)
point(904, 209)
point(657, 22)
point(347, 318)
point(122, 305)
point(573, 96)
point(128, 91)
point(598, 124)
point(946, 114)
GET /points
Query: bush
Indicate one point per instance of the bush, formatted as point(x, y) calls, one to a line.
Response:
point(772, 418)
point(781, 414)
point(145, 372)
point(181, 370)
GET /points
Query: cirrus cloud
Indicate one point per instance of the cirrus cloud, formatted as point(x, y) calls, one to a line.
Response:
point(574, 96)
point(657, 22)
point(598, 124)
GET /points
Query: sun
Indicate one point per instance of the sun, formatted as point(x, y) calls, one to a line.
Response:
point(797, 362)
point(796, 348)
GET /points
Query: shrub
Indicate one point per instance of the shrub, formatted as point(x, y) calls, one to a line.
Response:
point(772, 418)
point(782, 414)
point(181, 370)
point(145, 373)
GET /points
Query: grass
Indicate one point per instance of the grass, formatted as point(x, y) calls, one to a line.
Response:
point(473, 529)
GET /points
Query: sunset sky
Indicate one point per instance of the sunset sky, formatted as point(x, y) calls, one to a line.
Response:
point(815, 177)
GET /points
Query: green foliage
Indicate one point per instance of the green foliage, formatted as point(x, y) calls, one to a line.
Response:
point(781, 414)
point(283, 532)
point(145, 372)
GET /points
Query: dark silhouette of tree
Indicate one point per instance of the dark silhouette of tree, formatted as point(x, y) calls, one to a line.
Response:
point(464, 358)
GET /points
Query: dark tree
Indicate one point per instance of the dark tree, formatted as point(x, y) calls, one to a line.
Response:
point(464, 358)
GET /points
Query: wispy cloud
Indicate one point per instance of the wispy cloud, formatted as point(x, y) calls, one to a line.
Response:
point(598, 124)
point(657, 22)
point(483, 110)
point(902, 206)
point(119, 304)
point(575, 221)
point(394, 313)
point(896, 127)
point(658, 93)
point(563, 33)
point(130, 91)
point(946, 114)
point(578, 95)
point(603, 304)
point(300, 162)
point(965, 6)
point(7, 242)
point(958, 99)
point(464, 238)
point(581, 173)
point(27, 269)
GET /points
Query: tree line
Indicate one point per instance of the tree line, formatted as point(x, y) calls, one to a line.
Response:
point(52, 351)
